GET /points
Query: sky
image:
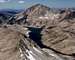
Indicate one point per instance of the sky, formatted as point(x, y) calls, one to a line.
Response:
point(21, 4)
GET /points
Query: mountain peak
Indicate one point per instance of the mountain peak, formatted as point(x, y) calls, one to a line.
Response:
point(41, 5)
point(38, 5)
point(37, 9)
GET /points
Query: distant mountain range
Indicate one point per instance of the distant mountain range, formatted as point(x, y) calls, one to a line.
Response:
point(33, 11)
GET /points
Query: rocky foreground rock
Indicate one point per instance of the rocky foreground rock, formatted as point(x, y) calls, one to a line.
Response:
point(39, 33)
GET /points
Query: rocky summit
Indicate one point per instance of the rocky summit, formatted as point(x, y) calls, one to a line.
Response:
point(38, 33)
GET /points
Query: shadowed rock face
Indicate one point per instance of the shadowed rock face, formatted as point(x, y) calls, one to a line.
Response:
point(6, 14)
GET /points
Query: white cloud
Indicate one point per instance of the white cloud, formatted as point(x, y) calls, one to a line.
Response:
point(20, 1)
point(2, 1)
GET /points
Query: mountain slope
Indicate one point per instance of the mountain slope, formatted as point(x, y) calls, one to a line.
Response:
point(49, 35)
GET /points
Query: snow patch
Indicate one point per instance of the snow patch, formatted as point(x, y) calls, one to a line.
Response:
point(21, 52)
point(37, 50)
point(29, 56)
point(45, 17)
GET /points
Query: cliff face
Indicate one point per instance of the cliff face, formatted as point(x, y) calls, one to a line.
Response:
point(43, 33)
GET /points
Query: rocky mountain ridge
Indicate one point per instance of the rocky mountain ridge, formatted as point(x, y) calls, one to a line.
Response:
point(45, 33)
